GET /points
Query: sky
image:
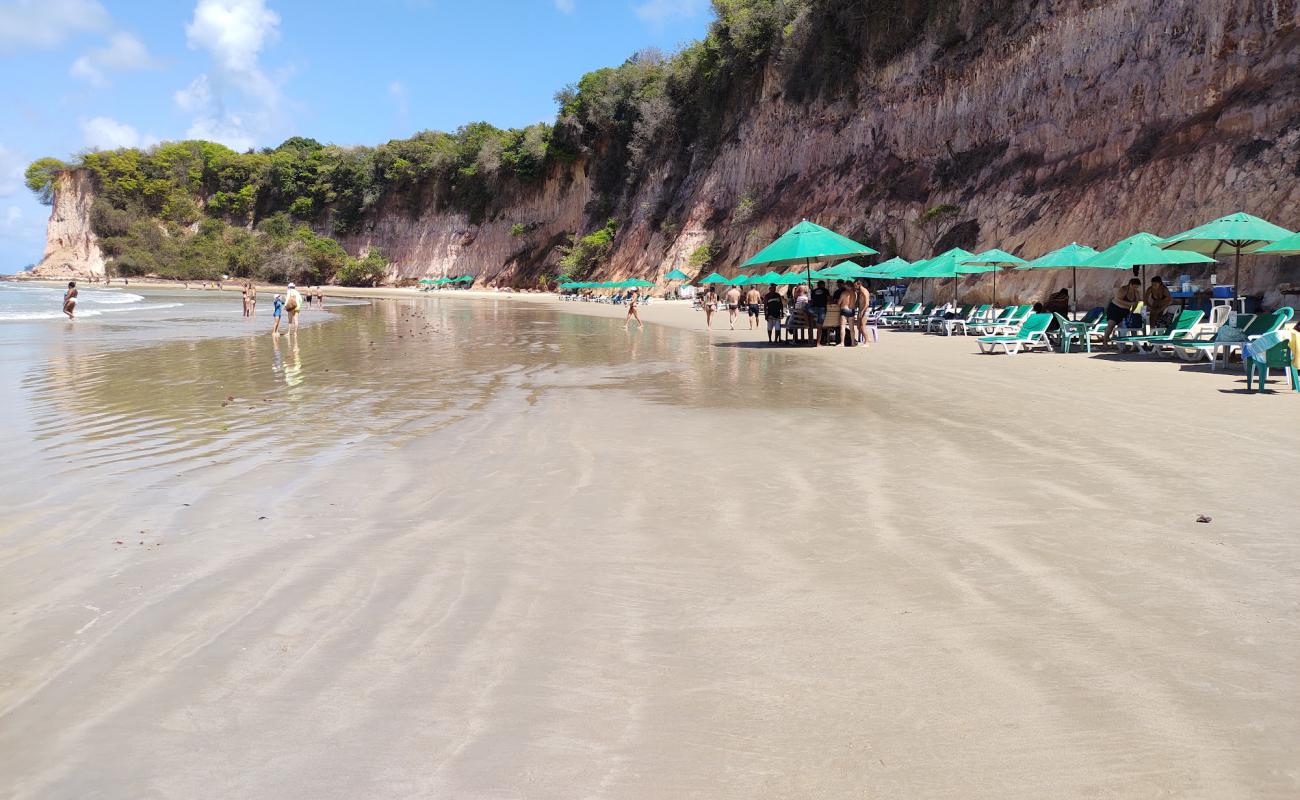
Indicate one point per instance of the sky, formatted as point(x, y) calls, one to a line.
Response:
point(98, 74)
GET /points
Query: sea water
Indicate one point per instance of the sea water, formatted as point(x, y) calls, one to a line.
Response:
point(24, 301)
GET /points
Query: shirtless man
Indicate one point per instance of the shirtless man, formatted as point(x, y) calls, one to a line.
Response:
point(710, 304)
point(733, 304)
point(864, 308)
point(70, 300)
point(847, 298)
point(248, 311)
point(754, 306)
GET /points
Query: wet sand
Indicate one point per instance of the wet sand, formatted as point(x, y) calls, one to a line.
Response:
point(488, 549)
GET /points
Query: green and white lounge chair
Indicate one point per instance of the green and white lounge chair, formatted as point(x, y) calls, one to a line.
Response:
point(1013, 321)
point(933, 324)
point(910, 311)
point(1231, 337)
point(1184, 329)
point(950, 326)
point(1033, 333)
point(986, 325)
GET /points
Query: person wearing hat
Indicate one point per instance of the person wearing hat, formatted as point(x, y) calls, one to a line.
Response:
point(292, 305)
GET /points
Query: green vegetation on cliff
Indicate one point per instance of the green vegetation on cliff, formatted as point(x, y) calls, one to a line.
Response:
point(674, 110)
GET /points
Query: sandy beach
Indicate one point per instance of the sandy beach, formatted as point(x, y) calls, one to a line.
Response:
point(497, 547)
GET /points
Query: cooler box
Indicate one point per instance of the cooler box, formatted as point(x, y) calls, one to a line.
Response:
point(1225, 292)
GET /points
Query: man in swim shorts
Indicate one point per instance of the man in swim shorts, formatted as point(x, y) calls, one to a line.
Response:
point(733, 304)
point(753, 305)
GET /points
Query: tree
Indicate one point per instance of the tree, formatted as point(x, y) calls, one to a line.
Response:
point(934, 222)
point(703, 256)
point(41, 175)
point(369, 270)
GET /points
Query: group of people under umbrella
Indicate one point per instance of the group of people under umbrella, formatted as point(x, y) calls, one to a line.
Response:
point(808, 244)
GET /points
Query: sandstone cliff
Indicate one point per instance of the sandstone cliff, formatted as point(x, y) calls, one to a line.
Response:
point(1045, 122)
point(71, 247)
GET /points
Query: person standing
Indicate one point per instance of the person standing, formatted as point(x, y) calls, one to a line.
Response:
point(733, 304)
point(774, 311)
point(864, 309)
point(632, 298)
point(70, 300)
point(276, 312)
point(817, 303)
point(753, 305)
point(848, 302)
point(292, 306)
point(1158, 300)
point(710, 306)
point(1121, 305)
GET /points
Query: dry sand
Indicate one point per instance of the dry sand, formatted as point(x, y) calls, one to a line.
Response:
point(513, 553)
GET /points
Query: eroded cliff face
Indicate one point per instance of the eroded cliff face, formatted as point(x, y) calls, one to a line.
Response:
point(71, 247)
point(1059, 121)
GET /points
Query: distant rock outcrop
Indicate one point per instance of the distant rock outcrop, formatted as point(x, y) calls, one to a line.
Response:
point(71, 247)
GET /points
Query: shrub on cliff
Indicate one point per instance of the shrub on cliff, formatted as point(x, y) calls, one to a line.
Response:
point(582, 255)
point(369, 270)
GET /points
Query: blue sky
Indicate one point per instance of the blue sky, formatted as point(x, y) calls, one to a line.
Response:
point(81, 74)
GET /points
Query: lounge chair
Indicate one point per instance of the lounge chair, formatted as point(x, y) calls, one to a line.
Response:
point(1184, 329)
point(978, 314)
point(1230, 337)
point(1016, 315)
point(924, 320)
point(909, 311)
point(1033, 333)
point(933, 323)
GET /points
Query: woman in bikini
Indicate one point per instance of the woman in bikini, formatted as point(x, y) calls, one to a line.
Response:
point(632, 298)
point(70, 300)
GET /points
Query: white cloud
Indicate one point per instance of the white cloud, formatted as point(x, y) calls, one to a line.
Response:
point(124, 52)
point(105, 133)
point(659, 12)
point(566, 6)
point(234, 33)
point(39, 24)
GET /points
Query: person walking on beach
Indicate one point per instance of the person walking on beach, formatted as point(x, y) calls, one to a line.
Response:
point(70, 300)
point(753, 305)
point(733, 304)
point(774, 311)
point(710, 306)
point(277, 310)
point(1121, 305)
point(632, 298)
point(292, 305)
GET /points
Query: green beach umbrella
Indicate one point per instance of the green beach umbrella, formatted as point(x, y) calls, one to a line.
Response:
point(1143, 250)
point(1289, 246)
point(771, 277)
point(1072, 257)
point(951, 264)
point(676, 275)
point(427, 281)
point(639, 283)
point(715, 278)
point(805, 244)
point(886, 269)
point(995, 258)
point(1236, 233)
